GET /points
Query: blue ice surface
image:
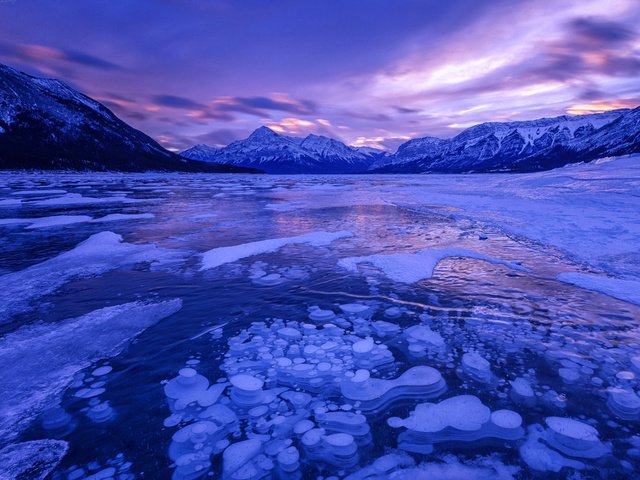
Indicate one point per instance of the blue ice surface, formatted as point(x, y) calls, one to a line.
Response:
point(280, 362)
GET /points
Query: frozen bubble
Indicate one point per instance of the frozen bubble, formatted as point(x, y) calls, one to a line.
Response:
point(625, 404)
point(321, 315)
point(574, 429)
point(354, 308)
point(569, 375)
point(363, 346)
point(506, 418)
point(269, 280)
point(239, 454)
point(248, 383)
point(464, 412)
point(625, 375)
point(98, 372)
point(393, 312)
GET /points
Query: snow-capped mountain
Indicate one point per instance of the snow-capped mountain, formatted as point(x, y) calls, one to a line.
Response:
point(520, 146)
point(46, 124)
point(201, 152)
point(271, 152)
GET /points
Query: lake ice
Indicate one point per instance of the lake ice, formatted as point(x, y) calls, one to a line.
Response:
point(243, 327)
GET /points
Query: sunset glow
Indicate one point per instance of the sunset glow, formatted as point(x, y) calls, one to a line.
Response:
point(211, 72)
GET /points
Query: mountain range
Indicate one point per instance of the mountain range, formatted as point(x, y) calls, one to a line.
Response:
point(271, 152)
point(46, 124)
point(520, 146)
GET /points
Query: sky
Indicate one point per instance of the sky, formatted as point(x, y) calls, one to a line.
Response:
point(368, 72)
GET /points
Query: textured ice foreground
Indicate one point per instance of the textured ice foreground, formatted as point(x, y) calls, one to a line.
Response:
point(221, 255)
point(98, 254)
point(38, 362)
point(288, 365)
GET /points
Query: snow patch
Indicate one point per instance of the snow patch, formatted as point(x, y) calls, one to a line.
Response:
point(98, 254)
point(626, 290)
point(413, 267)
point(221, 255)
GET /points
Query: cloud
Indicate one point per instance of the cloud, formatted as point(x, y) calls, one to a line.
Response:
point(600, 31)
point(406, 110)
point(51, 56)
point(219, 137)
point(173, 101)
point(262, 106)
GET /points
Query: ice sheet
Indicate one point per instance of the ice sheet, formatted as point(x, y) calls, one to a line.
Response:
point(39, 361)
point(413, 267)
point(627, 290)
point(221, 255)
point(98, 254)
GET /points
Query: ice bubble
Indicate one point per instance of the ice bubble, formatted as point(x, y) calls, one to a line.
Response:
point(506, 419)
point(100, 371)
point(57, 421)
point(393, 312)
point(238, 455)
point(269, 280)
point(521, 391)
point(303, 426)
point(338, 449)
point(625, 375)
point(189, 387)
point(422, 339)
point(464, 412)
point(538, 456)
point(89, 392)
point(476, 367)
point(363, 346)
point(100, 413)
point(247, 390)
point(569, 375)
point(625, 404)
point(384, 329)
point(373, 393)
point(458, 419)
point(288, 459)
point(321, 315)
point(354, 424)
point(355, 309)
point(574, 438)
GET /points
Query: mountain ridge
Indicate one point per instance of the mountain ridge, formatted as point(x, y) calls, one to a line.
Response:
point(272, 152)
point(47, 125)
point(515, 146)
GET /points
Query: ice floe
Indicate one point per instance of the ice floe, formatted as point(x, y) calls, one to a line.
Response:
point(413, 267)
point(98, 254)
point(221, 255)
point(63, 220)
point(622, 289)
point(78, 199)
point(39, 361)
point(32, 460)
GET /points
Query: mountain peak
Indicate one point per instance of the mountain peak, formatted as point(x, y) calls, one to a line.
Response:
point(263, 132)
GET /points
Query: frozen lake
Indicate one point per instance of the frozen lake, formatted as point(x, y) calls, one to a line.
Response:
point(197, 326)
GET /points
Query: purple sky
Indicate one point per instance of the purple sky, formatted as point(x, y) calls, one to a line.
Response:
point(368, 72)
